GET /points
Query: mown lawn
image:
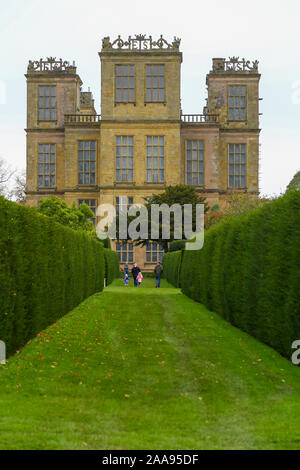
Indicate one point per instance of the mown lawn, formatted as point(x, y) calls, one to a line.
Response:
point(147, 369)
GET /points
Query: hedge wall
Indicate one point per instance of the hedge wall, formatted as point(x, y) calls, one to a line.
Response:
point(46, 269)
point(112, 266)
point(249, 272)
point(171, 265)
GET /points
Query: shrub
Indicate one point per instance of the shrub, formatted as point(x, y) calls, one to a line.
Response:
point(112, 267)
point(249, 271)
point(177, 245)
point(46, 269)
point(171, 267)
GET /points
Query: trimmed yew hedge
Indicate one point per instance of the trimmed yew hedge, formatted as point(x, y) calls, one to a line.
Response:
point(171, 266)
point(46, 269)
point(249, 272)
point(112, 266)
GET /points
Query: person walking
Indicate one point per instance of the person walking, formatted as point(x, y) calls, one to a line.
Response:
point(135, 271)
point(139, 278)
point(158, 271)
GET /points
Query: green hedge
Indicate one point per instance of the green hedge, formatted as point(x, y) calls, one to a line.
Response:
point(46, 269)
point(171, 265)
point(112, 267)
point(177, 245)
point(249, 272)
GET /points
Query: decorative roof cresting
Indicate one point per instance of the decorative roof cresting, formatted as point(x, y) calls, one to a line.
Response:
point(140, 43)
point(51, 64)
point(235, 64)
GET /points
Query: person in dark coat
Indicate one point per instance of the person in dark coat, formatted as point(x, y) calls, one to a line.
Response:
point(158, 272)
point(135, 271)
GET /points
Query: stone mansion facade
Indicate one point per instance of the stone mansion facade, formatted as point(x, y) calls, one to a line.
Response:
point(141, 142)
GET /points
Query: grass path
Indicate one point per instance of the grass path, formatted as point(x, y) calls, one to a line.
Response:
point(147, 369)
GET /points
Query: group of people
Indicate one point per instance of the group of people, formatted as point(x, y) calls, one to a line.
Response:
point(138, 276)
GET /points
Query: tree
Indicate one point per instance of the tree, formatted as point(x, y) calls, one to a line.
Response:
point(234, 205)
point(58, 209)
point(18, 193)
point(295, 182)
point(6, 173)
point(179, 194)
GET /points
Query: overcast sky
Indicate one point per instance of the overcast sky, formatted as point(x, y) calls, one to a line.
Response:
point(73, 29)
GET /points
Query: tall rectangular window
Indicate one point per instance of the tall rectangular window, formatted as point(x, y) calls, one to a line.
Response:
point(46, 166)
point(124, 159)
point(86, 162)
point(155, 159)
point(154, 252)
point(195, 162)
point(47, 103)
point(237, 102)
point(123, 203)
point(125, 252)
point(124, 77)
point(92, 205)
point(155, 83)
point(237, 165)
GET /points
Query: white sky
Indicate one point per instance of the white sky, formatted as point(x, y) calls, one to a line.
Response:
point(267, 30)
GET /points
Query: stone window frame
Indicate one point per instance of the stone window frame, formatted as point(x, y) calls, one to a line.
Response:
point(152, 88)
point(232, 162)
point(125, 255)
point(153, 255)
point(92, 203)
point(160, 158)
point(124, 142)
point(198, 160)
point(44, 108)
point(128, 88)
point(90, 161)
point(41, 172)
point(239, 107)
